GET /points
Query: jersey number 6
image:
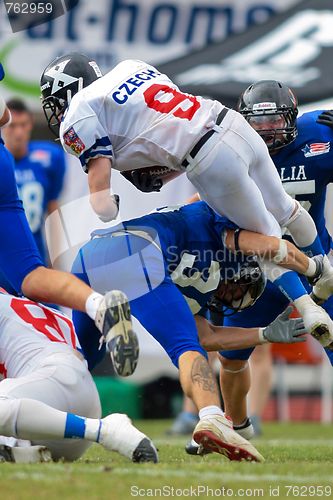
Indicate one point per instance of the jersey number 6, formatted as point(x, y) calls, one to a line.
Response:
point(155, 99)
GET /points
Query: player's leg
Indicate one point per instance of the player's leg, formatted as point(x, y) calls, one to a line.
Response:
point(165, 314)
point(235, 384)
point(235, 380)
point(58, 402)
point(222, 180)
point(261, 367)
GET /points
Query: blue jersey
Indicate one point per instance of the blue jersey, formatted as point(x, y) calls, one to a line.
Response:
point(168, 263)
point(306, 168)
point(18, 251)
point(39, 177)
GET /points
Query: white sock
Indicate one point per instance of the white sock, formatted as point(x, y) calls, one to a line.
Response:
point(92, 304)
point(93, 429)
point(208, 411)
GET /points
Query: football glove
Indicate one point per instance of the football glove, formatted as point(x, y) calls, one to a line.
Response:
point(284, 329)
point(110, 217)
point(326, 118)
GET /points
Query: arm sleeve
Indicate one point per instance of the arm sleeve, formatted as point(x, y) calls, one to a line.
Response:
point(18, 251)
point(85, 138)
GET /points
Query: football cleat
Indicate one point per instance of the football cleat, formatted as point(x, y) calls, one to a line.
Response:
point(245, 430)
point(216, 434)
point(113, 319)
point(318, 323)
point(25, 455)
point(193, 448)
point(119, 434)
point(323, 286)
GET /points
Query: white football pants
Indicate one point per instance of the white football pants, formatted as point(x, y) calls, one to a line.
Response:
point(62, 381)
point(234, 173)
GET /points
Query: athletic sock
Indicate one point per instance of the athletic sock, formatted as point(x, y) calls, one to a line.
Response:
point(92, 304)
point(208, 411)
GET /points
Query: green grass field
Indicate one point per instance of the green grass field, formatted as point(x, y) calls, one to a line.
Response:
point(297, 455)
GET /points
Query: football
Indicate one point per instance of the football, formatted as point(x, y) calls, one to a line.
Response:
point(155, 171)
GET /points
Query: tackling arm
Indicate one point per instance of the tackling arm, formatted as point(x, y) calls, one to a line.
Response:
point(281, 252)
point(219, 338)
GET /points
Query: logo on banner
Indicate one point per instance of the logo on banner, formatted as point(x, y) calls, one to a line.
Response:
point(283, 54)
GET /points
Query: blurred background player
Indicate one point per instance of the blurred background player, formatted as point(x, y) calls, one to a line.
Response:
point(302, 152)
point(48, 396)
point(23, 268)
point(39, 173)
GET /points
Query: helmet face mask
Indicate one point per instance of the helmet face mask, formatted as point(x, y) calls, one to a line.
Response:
point(54, 109)
point(270, 107)
point(240, 291)
point(61, 80)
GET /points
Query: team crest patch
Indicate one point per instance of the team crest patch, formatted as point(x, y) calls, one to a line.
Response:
point(317, 148)
point(73, 141)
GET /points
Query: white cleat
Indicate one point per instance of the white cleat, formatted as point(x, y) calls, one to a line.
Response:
point(114, 321)
point(216, 434)
point(119, 434)
point(323, 287)
point(25, 455)
point(318, 323)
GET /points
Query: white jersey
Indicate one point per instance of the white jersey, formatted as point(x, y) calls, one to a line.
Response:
point(27, 331)
point(136, 117)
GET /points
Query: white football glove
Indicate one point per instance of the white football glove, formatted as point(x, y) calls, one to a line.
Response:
point(283, 329)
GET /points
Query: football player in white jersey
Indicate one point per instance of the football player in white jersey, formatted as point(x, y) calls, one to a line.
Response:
point(48, 396)
point(135, 118)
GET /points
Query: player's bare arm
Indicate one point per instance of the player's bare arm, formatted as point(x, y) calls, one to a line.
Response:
point(282, 252)
point(104, 204)
point(219, 338)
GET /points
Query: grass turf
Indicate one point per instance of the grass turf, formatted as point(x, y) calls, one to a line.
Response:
point(299, 461)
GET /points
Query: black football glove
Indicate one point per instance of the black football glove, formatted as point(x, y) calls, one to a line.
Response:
point(326, 118)
point(145, 182)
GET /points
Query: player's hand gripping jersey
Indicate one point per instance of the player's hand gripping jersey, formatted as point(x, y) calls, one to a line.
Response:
point(26, 330)
point(135, 114)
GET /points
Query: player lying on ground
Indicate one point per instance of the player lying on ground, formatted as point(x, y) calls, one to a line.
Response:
point(169, 264)
point(48, 396)
point(134, 118)
point(22, 266)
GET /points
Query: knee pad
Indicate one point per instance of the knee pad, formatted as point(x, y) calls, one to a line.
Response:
point(9, 408)
point(295, 215)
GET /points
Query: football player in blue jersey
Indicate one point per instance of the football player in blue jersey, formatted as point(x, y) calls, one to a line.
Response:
point(170, 264)
point(302, 151)
point(23, 268)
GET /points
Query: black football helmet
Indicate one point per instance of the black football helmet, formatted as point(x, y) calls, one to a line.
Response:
point(61, 80)
point(239, 289)
point(271, 109)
